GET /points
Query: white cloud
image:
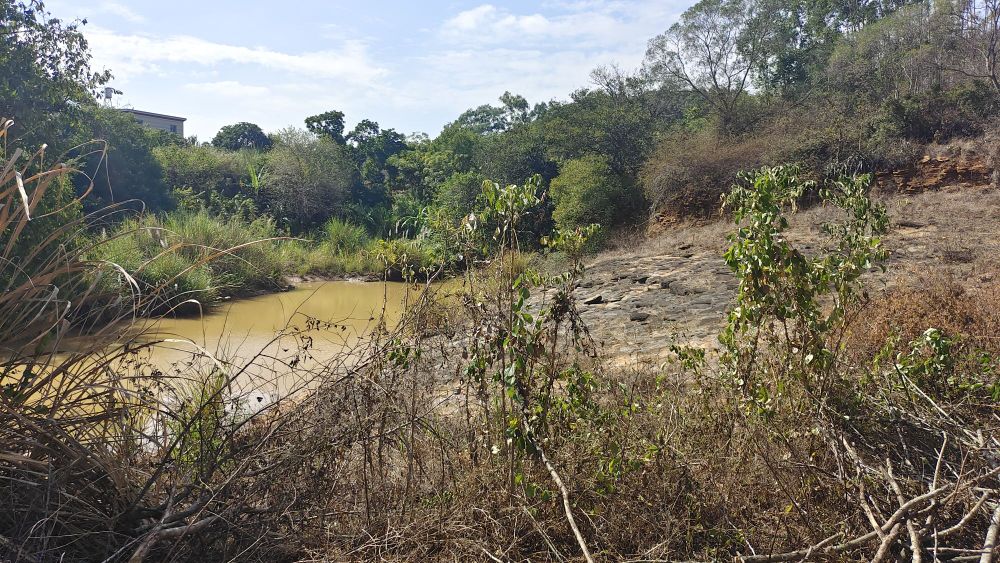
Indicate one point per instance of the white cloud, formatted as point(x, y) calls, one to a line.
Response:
point(471, 19)
point(594, 22)
point(128, 55)
point(230, 89)
point(416, 82)
point(121, 10)
point(491, 48)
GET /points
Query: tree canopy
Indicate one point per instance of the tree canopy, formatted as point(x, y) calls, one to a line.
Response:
point(242, 135)
point(329, 124)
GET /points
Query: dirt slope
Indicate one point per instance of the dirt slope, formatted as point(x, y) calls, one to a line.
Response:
point(675, 288)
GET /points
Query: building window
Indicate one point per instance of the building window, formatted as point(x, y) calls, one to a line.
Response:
point(173, 128)
point(140, 121)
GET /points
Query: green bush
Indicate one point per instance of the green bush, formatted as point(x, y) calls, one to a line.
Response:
point(306, 180)
point(587, 192)
point(205, 177)
point(406, 258)
point(457, 195)
point(345, 237)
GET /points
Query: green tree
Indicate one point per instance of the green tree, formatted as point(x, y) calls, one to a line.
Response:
point(801, 36)
point(621, 120)
point(515, 155)
point(308, 180)
point(587, 191)
point(513, 110)
point(328, 124)
point(129, 172)
point(457, 196)
point(713, 50)
point(372, 147)
point(427, 164)
point(46, 75)
point(242, 135)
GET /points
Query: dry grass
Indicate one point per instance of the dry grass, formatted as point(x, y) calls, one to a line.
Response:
point(933, 300)
point(419, 445)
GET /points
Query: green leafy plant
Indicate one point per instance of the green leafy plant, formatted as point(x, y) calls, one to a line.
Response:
point(787, 298)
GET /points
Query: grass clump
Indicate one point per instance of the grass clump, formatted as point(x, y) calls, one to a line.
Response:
point(191, 256)
point(344, 249)
point(340, 249)
point(345, 237)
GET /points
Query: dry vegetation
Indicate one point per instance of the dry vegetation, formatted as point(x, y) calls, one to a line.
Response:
point(486, 428)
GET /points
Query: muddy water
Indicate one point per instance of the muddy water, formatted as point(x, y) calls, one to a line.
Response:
point(248, 332)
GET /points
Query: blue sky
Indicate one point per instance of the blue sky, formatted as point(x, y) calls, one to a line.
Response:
point(412, 66)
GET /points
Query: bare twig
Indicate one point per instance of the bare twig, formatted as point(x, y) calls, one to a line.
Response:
point(990, 544)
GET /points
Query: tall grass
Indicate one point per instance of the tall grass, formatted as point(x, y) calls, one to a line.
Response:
point(345, 249)
point(345, 237)
point(105, 455)
point(193, 256)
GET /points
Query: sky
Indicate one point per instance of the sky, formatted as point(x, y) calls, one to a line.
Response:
point(413, 66)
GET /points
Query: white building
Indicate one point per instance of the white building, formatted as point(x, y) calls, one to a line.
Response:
point(170, 123)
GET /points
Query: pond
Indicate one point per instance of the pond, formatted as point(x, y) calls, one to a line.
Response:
point(250, 331)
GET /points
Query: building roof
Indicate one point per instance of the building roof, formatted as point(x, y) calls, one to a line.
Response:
point(151, 114)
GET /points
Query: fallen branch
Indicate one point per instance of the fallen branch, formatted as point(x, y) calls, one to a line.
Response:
point(990, 545)
point(567, 506)
point(896, 518)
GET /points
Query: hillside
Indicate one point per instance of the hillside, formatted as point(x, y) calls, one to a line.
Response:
point(675, 288)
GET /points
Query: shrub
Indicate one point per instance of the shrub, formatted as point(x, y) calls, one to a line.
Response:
point(344, 237)
point(586, 191)
point(307, 180)
point(206, 177)
point(458, 194)
point(783, 294)
point(188, 255)
point(407, 258)
point(688, 173)
point(967, 318)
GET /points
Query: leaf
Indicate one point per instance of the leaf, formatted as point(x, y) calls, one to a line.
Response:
point(24, 194)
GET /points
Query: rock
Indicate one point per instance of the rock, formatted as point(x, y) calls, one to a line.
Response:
point(638, 316)
point(959, 256)
point(685, 246)
point(685, 289)
point(664, 284)
point(640, 278)
point(612, 298)
point(587, 283)
point(595, 300)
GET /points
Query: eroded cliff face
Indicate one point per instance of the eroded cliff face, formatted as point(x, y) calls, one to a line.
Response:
point(967, 163)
